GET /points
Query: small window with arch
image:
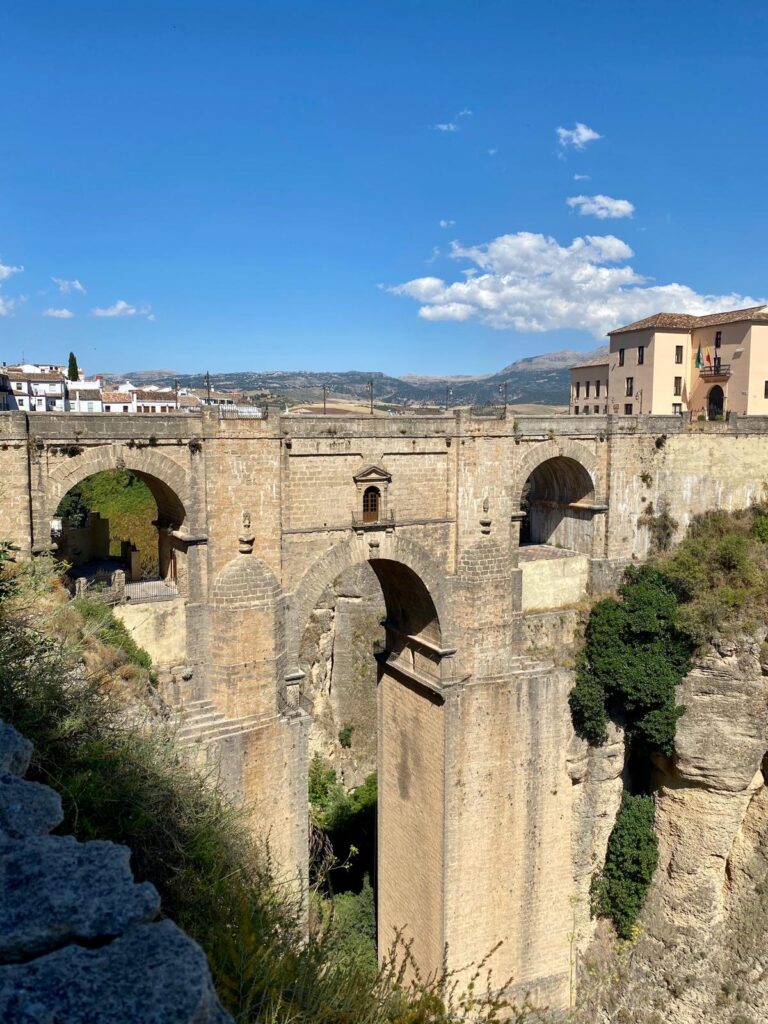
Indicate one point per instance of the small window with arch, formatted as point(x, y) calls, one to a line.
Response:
point(371, 504)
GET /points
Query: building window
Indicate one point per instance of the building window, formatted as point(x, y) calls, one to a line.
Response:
point(621, 357)
point(125, 408)
point(597, 389)
point(677, 409)
point(640, 355)
point(596, 409)
point(576, 408)
point(630, 387)
point(371, 499)
point(718, 339)
point(679, 355)
point(586, 389)
point(627, 408)
point(578, 388)
point(586, 410)
point(678, 385)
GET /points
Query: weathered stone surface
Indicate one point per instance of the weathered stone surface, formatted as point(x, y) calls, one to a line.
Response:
point(56, 890)
point(154, 974)
point(703, 954)
point(27, 808)
point(596, 774)
point(723, 734)
point(15, 751)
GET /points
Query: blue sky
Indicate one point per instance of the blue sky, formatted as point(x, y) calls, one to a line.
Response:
point(239, 185)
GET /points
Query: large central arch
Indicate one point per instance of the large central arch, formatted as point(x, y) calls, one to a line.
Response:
point(412, 672)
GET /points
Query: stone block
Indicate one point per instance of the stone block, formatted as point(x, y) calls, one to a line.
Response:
point(56, 890)
point(27, 808)
point(154, 974)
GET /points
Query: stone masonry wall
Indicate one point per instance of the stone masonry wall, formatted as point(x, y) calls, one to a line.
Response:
point(454, 484)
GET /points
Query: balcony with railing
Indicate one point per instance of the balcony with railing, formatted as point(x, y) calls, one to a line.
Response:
point(366, 521)
point(720, 371)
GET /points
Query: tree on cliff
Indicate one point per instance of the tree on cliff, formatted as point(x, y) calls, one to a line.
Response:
point(72, 373)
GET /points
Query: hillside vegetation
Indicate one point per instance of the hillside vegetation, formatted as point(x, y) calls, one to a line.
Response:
point(638, 648)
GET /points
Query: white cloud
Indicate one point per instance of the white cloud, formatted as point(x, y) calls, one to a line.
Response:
point(446, 126)
point(529, 282)
point(59, 314)
point(6, 271)
point(466, 112)
point(601, 207)
point(65, 287)
point(122, 308)
point(492, 152)
point(581, 177)
point(444, 223)
point(578, 136)
point(6, 305)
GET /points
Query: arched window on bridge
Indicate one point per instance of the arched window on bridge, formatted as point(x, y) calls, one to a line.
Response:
point(371, 504)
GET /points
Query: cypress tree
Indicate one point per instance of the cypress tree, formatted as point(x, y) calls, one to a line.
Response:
point(72, 368)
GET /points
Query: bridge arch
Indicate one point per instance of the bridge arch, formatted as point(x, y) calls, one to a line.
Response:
point(414, 588)
point(166, 479)
point(557, 486)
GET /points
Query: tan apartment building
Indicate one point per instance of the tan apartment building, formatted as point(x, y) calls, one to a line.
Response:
point(589, 387)
point(676, 363)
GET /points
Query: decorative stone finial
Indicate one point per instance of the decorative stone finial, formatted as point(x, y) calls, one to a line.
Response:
point(246, 538)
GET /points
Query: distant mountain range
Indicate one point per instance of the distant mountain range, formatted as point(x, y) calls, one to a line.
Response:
point(540, 380)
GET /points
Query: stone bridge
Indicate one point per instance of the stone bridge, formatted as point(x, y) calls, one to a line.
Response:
point(486, 536)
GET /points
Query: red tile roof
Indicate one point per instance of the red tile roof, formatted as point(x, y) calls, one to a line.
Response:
point(687, 322)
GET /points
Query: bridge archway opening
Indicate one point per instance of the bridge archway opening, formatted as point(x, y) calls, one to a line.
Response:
point(121, 519)
point(376, 624)
point(556, 501)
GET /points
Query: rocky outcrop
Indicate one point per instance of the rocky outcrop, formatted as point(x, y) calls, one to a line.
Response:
point(596, 774)
point(77, 942)
point(702, 955)
point(338, 651)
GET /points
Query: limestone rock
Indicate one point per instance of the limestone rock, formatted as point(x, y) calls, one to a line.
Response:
point(15, 751)
point(723, 734)
point(56, 890)
point(154, 974)
point(27, 808)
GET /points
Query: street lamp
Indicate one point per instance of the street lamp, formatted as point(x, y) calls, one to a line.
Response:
point(448, 393)
point(325, 392)
point(370, 389)
point(503, 391)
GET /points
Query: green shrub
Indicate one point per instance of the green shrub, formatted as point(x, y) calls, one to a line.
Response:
point(634, 656)
point(345, 735)
point(760, 527)
point(619, 890)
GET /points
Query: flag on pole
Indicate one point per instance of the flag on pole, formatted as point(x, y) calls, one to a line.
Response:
point(698, 362)
point(708, 357)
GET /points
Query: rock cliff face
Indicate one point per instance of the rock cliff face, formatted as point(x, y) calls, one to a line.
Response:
point(338, 650)
point(78, 939)
point(703, 952)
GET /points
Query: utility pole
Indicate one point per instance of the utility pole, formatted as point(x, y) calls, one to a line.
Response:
point(448, 393)
point(503, 390)
point(325, 392)
point(208, 385)
point(370, 388)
